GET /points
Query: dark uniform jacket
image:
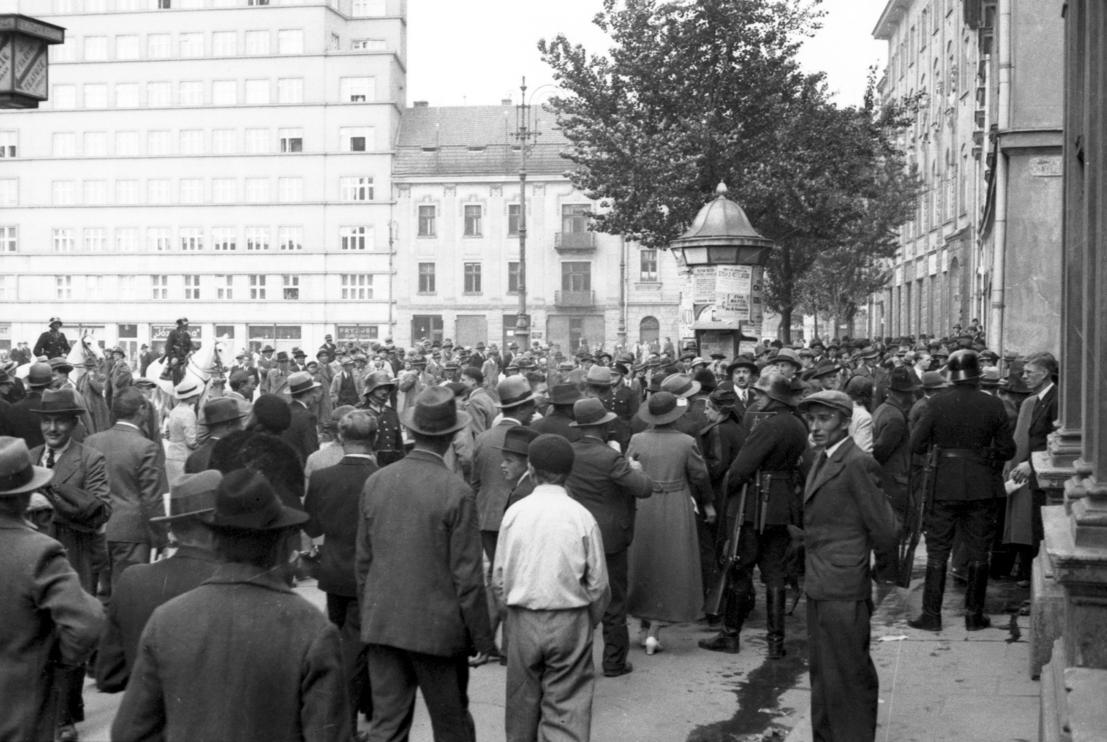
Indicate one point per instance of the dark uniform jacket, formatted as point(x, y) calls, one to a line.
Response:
point(141, 589)
point(973, 432)
point(178, 345)
point(46, 620)
point(389, 444)
point(241, 657)
point(52, 345)
point(603, 482)
point(775, 445)
point(846, 516)
point(332, 504)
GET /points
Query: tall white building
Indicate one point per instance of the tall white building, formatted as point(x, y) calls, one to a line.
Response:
point(226, 160)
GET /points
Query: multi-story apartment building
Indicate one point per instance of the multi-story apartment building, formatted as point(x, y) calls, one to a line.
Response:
point(227, 160)
point(456, 178)
point(985, 242)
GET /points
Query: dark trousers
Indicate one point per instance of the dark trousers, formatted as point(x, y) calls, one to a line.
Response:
point(844, 683)
point(444, 682)
point(971, 521)
point(616, 637)
point(124, 554)
point(343, 612)
point(550, 678)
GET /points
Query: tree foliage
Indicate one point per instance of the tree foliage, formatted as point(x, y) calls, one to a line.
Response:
point(694, 92)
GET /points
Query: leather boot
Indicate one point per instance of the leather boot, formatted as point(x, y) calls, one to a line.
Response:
point(933, 589)
point(735, 609)
point(775, 599)
point(975, 594)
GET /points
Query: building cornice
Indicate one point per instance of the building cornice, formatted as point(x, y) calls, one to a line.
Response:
point(890, 18)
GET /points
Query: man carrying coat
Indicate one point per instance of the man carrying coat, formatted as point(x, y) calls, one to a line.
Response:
point(846, 518)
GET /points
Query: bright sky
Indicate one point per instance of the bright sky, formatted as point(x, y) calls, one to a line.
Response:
point(466, 53)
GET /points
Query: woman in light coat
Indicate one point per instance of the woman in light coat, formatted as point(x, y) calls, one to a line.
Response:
point(182, 434)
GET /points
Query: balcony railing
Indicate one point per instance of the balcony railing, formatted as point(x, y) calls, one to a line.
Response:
point(575, 298)
point(574, 241)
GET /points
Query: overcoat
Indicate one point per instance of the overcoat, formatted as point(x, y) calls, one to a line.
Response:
point(137, 483)
point(301, 433)
point(603, 482)
point(892, 450)
point(47, 620)
point(489, 485)
point(332, 505)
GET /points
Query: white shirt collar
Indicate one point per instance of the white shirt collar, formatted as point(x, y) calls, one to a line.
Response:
point(1045, 390)
point(830, 451)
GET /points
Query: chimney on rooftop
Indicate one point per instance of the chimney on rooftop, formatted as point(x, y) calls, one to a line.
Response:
point(420, 104)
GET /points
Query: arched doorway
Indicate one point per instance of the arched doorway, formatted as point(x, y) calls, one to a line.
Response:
point(649, 330)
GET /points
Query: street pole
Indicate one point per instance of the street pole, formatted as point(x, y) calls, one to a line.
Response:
point(523, 134)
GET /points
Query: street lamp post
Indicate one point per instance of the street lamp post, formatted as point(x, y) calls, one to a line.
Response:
point(523, 134)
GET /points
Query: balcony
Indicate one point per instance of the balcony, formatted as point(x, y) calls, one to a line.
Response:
point(575, 298)
point(574, 241)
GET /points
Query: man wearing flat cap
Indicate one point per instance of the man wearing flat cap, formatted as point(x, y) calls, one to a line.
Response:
point(242, 629)
point(846, 518)
point(420, 580)
point(144, 587)
point(52, 343)
point(49, 622)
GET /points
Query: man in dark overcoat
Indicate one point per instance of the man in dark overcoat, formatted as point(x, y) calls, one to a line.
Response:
point(559, 416)
point(420, 580)
point(607, 484)
point(178, 347)
point(144, 587)
point(302, 433)
point(242, 632)
point(891, 438)
point(49, 622)
point(846, 518)
point(972, 434)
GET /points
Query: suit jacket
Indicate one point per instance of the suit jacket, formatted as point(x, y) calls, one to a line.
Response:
point(965, 418)
point(420, 576)
point(140, 590)
point(301, 434)
point(199, 459)
point(80, 474)
point(1042, 419)
point(332, 504)
point(846, 516)
point(489, 485)
point(242, 629)
point(137, 483)
point(276, 382)
point(557, 422)
point(47, 620)
point(482, 409)
point(892, 449)
point(522, 488)
point(603, 482)
point(775, 445)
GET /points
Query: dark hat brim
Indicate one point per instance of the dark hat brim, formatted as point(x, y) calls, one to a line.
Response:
point(181, 516)
point(288, 518)
point(608, 417)
point(663, 419)
point(515, 403)
point(407, 419)
point(744, 363)
point(40, 476)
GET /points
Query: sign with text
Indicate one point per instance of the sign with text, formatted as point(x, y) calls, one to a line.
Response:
point(161, 332)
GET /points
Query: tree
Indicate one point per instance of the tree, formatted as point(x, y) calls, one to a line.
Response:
point(697, 92)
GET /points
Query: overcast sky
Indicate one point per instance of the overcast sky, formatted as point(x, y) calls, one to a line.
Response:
point(470, 53)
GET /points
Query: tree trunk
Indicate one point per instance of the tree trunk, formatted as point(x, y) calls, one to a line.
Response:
point(784, 332)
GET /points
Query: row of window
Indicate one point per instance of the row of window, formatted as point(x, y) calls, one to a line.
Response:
point(574, 219)
point(197, 93)
point(218, 287)
point(191, 191)
point(289, 238)
point(160, 142)
point(575, 275)
point(357, 8)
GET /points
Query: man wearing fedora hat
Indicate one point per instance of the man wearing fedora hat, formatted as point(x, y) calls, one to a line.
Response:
point(223, 416)
point(514, 463)
point(891, 437)
point(420, 580)
point(276, 378)
point(389, 444)
point(136, 474)
point(740, 374)
point(242, 629)
point(49, 622)
point(608, 484)
point(144, 587)
point(559, 415)
point(52, 343)
point(302, 433)
point(21, 421)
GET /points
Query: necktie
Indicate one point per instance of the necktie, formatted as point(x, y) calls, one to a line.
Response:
point(49, 458)
point(820, 461)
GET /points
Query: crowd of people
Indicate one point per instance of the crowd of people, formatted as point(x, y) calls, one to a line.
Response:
point(459, 505)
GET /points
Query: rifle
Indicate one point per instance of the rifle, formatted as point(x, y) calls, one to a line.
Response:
point(914, 519)
point(713, 606)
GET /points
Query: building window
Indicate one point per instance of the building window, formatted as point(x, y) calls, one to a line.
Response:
point(95, 144)
point(191, 142)
point(8, 238)
point(291, 286)
point(126, 192)
point(472, 220)
point(472, 278)
point(513, 218)
point(159, 287)
point(95, 192)
point(96, 95)
point(257, 92)
point(9, 143)
point(357, 188)
point(192, 287)
point(576, 276)
point(95, 239)
point(257, 141)
point(224, 288)
point(158, 239)
point(257, 238)
point(159, 46)
point(158, 191)
point(191, 44)
point(192, 239)
point(426, 221)
point(224, 43)
point(63, 144)
point(574, 218)
point(355, 138)
point(96, 48)
point(126, 144)
point(192, 190)
point(126, 47)
point(158, 95)
point(290, 41)
point(356, 89)
point(158, 142)
point(513, 277)
point(9, 191)
point(63, 287)
point(648, 263)
point(223, 190)
point(126, 239)
point(224, 141)
point(367, 8)
point(426, 278)
point(355, 238)
point(257, 287)
point(64, 96)
point(290, 239)
point(191, 93)
point(63, 240)
point(224, 239)
point(257, 42)
point(63, 193)
point(292, 140)
point(336, 42)
point(224, 92)
point(290, 90)
point(290, 190)
point(257, 190)
point(356, 286)
point(126, 95)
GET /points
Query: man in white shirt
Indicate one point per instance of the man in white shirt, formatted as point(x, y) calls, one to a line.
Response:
point(551, 573)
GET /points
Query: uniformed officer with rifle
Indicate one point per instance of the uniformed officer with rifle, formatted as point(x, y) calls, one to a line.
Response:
point(763, 491)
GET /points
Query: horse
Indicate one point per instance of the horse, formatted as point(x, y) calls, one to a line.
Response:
point(202, 364)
